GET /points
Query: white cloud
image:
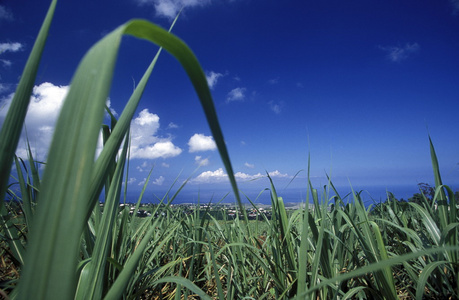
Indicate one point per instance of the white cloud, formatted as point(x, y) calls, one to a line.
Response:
point(244, 176)
point(251, 166)
point(212, 78)
point(278, 174)
point(165, 165)
point(45, 105)
point(398, 54)
point(211, 177)
point(237, 94)
point(160, 149)
point(5, 14)
point(10, 47)
point(200, 142)
point(159, 181)
point(170, 8)
point(201, 161)
point(144, 141)
point(219, 176)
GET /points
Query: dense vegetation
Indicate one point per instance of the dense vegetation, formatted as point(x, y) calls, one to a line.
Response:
point(58, 244)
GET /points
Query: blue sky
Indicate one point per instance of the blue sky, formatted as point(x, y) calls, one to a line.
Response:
point(358, 85)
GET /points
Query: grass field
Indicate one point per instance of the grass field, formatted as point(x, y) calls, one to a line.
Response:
point(58, 244)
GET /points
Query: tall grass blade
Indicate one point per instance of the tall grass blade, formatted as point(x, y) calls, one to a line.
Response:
point(441, 198)
point(377, 266)
point(12, 126)
point(119, 131)
point(92, 281)
point(186, 283)
point(72, 153)
point(183, 54)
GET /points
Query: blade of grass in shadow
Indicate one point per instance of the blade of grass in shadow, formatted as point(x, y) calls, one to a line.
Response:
point(123, 279)
point(426, 272)
point(60, 215)
point(374, 267)
point(68, 176)
point(92, 281)
point(185, 283)
point(304, 243)
point(14, 120)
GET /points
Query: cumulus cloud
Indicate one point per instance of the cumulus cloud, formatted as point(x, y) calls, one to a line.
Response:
point(200, 142)
point(170, 8)
point(45, 105)
point(278, 174)
point(211, 177)
point(398, 54)
point(160, 149)
point(219, 176)
point(237, 94)
point(212, 78)
point(243, 176)
point(144, 140)
point(10, 47)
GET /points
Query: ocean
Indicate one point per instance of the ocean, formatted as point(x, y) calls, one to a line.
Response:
point(369, 195)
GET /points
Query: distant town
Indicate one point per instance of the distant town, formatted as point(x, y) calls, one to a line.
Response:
point(225, 211)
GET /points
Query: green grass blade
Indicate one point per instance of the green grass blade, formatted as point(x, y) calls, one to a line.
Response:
point(429, 223)
point(60, 215)
point(146, 30)
point(12, 126)
point(185, 283)
point(27, 203)
point(125, 276)
point(374, 267)
point(93, 281)
point(304, 243)
point(426, 272)
point(441, 197)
